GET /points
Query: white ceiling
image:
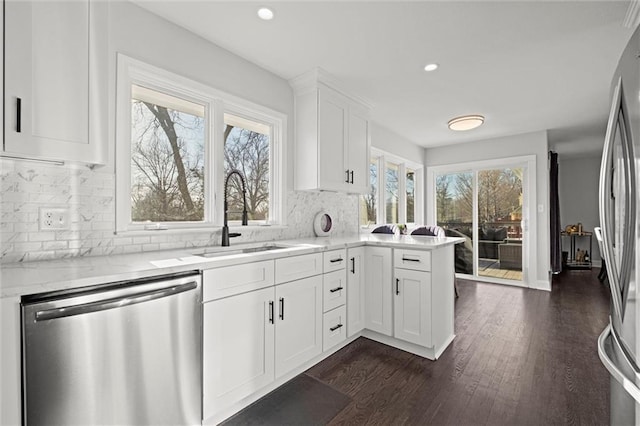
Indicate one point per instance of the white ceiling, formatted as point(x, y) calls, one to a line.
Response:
point(524, 65)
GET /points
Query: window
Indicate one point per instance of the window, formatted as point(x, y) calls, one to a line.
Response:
point(398, 185)
point(391, 193)
point(410, 187)
point(172, 156)
point(368, 202)
point(246, 149)
point(167, 157)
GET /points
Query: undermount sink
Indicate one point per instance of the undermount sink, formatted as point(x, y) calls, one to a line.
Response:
point(229, 252)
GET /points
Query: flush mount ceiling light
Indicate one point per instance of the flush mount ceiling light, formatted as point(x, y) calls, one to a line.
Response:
point(431, 67)
point(265, 13)
point(466, 122)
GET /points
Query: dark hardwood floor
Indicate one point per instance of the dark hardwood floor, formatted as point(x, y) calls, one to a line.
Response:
point(520, 357)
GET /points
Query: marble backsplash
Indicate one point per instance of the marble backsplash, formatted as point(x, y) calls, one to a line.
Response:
point(90, 198)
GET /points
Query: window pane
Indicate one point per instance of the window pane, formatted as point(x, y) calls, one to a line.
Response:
point(368, 201)
point(454, 209)
point(246, 149)
point(167, 157)
point(391, 193)
point(410, 185)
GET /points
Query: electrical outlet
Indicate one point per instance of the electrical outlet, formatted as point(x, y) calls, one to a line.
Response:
point(54, 219)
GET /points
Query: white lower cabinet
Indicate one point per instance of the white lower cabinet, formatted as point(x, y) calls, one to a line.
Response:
point(412, 306)
point(238, 348)
point(355, 290)
point(378, 301)
point(334, 325)
point(298, 323)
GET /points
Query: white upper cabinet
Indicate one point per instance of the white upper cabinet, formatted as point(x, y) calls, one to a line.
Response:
point(55, 84)
point(332, 136)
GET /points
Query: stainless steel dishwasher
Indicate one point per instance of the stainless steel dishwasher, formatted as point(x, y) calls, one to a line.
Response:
point(121, 353)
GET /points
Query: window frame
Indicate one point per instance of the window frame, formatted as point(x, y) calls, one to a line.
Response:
point(217, 103)
point(403, 164)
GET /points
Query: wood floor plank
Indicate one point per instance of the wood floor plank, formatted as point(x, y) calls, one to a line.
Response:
point(520, 356)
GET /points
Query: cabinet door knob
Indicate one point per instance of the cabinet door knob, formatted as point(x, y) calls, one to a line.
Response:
point(397, 286)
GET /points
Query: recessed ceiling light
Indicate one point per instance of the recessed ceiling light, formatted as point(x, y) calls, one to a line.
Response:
point(431, 67)
point(466, 122)
point(265, 13)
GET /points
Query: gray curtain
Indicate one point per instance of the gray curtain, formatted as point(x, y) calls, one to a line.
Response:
point(554, 212)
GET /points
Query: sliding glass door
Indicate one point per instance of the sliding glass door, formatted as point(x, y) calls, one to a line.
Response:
point(499, 221)
point(485, 207)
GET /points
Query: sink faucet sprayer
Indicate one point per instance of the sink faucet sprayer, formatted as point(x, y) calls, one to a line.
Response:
point(225, 227)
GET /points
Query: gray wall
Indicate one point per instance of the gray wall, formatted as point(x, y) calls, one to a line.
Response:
point(388, 141)
point(512, 146)
point(578, 190)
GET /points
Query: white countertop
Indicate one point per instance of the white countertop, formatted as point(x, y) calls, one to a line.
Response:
point(17, 279)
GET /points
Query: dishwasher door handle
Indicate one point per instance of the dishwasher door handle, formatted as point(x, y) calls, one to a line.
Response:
point(116, 302)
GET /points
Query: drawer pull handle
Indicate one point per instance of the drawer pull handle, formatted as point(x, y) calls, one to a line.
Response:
point(333, 290)
point(336, 327)
point(271, 311)
point(406, 259)
point(347, 181)
point(397, 286)
point(336, 260)
point(18, 115)
point(282, 308)
point(353, 265)
point(351, 176)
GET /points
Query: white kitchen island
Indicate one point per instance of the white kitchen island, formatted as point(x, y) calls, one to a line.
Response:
point(398, 290)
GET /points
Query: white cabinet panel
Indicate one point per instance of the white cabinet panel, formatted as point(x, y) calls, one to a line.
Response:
point(355, 291)
point(418, 260)
point(412, 306)
point(334, 260)
point(238, 348)
point(298, 323)
point(334, 291)
point(358, 150)
point(55, 97)
point(378, 300)
point(334, 327)
point(332, 139)
point(296, 267)
point(230, 280)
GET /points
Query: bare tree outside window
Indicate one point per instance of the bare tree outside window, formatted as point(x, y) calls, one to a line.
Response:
point(167, 160)
point(391, 193)
point(247, 150)
point(368, 201)
point(410, 187)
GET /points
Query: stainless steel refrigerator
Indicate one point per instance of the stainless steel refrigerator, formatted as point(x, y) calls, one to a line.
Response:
point(619, 343)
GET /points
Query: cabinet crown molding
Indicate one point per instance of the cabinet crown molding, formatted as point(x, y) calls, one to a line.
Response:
point(312, 78)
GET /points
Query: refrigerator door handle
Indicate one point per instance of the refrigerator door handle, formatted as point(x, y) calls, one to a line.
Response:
point(627, 383)
point(605, 207)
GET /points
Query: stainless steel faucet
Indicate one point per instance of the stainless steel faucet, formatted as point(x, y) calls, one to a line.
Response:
point(225, 228)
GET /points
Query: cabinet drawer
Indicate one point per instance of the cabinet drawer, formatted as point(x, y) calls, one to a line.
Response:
point(296, 267)
point(334, 293)
point(334, 260)
point(334, 326)
point(418, 260)
point(230, 280)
